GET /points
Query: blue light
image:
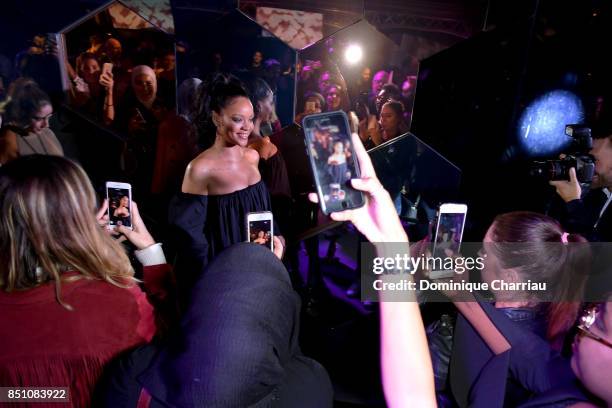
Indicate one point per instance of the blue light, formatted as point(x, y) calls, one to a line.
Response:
point(542, 124)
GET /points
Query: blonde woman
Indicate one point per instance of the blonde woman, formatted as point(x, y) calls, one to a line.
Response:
point(69, 302)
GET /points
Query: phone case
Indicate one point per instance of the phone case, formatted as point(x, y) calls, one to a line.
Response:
point(333, 187)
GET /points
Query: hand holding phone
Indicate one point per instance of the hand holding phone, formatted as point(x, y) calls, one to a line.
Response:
point(119, 197)
point(106, 76)
point(377, 219)
point(260, 229)
point(332, 159)
point(449, 234)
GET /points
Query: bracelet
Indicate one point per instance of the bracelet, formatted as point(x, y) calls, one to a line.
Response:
point(108, 106)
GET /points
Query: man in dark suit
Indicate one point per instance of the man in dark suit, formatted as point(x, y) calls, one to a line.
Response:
point(591, 215)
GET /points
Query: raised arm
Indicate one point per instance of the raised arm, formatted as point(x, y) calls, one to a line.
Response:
point(407, 373)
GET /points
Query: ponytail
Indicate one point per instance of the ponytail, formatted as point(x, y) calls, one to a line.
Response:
point(547, 254)
point(214, 94)
point(563, 309)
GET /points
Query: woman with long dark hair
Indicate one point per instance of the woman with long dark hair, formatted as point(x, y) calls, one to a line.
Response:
point(222, 184)
point(25, 127)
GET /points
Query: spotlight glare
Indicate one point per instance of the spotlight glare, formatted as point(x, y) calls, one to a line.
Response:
point(353, 54)
point(542, 124)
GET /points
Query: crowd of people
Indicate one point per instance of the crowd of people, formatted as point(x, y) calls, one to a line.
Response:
point(219, 325)
point(383, 109)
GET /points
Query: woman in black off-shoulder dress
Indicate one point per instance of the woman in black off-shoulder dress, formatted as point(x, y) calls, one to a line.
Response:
point(222, 185)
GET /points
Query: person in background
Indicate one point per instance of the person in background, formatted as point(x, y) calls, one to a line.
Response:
point(69, 302)
point(391, 123)
point(25, 127)
point(407, 97)
point(314, 102)
point(518, 247)
point(187, 99)
point(591, 215)
point(257, 67)
point(138, 118)
point(367, 128)
point(388, 92)
point(165, 69)
point(92, 90)
point(362, 87)
point(380, 78)
point(336, 98)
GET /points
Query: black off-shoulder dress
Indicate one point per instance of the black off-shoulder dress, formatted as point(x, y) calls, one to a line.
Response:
point(204, 225)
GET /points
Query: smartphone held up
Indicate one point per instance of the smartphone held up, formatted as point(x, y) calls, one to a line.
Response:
point(260, 228)
point(119, 197)
point(449, 235)
point(332, 158)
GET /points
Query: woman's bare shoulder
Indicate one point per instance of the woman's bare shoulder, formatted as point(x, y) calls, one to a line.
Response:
point(198, 173)
point(251, 155)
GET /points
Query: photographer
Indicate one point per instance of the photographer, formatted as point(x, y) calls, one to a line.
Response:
point(591, 215)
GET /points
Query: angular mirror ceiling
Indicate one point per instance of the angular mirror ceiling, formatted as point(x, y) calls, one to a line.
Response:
point(350, 58)
point(300, 23)
point(100, 54)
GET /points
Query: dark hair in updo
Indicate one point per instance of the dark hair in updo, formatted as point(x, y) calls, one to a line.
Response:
point(214, 94)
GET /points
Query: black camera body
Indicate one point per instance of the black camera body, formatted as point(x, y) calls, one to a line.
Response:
point(580, 159)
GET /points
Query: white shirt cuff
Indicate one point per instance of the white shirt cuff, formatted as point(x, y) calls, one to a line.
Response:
point(152, 255)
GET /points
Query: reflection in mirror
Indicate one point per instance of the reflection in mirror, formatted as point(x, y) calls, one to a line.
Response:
point(241, 47)
point(418, 179)
point(302, 23)
point(121, 71)
point(358, 69)
point(416, 176)
point(156, 12)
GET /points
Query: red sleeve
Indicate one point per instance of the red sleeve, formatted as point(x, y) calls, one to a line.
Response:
point(160, 285)
point(158, 281)
point(146, 323)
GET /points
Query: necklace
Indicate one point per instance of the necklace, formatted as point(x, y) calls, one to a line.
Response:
point(40, 142)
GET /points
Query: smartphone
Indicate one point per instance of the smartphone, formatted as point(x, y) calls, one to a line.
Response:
point(107, 68)
point(332, 158)
point(449, 234)
point(119, 197)
point(260, 228)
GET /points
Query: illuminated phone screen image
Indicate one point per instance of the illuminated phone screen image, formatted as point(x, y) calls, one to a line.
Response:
point(119, 207)
point(330, 148)
point(448, 236)
point(260, 232)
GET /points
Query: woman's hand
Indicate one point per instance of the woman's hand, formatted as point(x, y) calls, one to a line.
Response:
point(377, 219)
point(139, 236)
point(279, 247)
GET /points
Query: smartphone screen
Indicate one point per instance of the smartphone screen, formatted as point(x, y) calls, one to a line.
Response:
point(260, 232)
point(333, 161)
point(449, 234)
point(119, 206)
